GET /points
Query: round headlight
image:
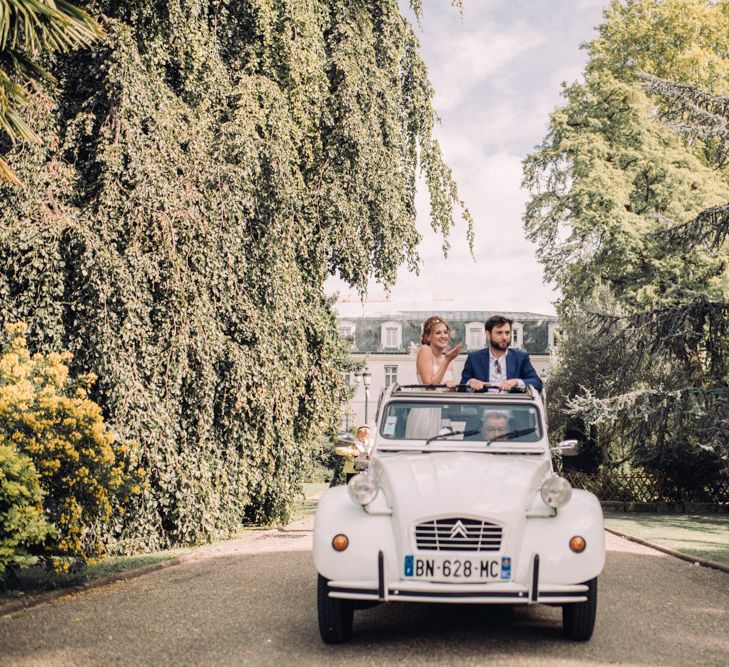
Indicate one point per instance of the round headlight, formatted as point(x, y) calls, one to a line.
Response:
point(556, 491)
point(362, 488)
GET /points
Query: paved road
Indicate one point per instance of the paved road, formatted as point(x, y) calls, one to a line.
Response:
point(252, 603)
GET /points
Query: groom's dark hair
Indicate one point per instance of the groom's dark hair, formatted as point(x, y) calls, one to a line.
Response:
point(496, 321)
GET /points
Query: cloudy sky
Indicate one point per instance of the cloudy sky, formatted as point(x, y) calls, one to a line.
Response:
point(497, 72)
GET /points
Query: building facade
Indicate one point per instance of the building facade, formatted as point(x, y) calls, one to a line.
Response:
point(388, 344)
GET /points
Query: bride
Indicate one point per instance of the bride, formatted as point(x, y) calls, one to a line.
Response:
point(433, 363)
point(433, 366)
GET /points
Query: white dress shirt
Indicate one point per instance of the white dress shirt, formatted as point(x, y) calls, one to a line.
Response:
point(497, 370)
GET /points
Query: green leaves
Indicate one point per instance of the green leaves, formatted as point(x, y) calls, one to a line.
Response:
point(629, 197)
point(28, 30)
point(207, 167)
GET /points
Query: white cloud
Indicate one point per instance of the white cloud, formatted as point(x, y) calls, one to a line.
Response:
point(497, 75)
point(463, 60)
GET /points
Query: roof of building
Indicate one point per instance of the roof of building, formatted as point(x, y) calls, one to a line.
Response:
point(368, 332)
point(449, 315)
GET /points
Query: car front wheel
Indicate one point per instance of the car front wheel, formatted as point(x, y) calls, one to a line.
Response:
point(578, 618)
point(335, 616)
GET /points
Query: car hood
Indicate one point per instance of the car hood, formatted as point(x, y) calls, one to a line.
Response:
point(460, 483)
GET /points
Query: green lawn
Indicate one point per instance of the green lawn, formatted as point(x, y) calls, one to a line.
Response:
point(702, 535)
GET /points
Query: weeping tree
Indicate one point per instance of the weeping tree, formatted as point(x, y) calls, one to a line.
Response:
point(205, 169)
point(629, 193)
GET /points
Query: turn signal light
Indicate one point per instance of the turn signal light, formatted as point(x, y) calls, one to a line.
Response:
point(341, 542)
point(578, 544)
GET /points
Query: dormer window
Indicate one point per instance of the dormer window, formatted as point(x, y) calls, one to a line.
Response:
point(391, 335)
point(554, 336)
point(475, 338)
point(347, 330)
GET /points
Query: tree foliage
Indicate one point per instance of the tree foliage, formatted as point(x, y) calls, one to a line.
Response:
point(207, 167)
point(87, 473)
point(23, 528)
point(30, 29)
point(629, 199)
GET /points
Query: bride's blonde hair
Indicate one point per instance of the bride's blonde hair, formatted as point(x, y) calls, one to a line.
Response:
point(428, 326)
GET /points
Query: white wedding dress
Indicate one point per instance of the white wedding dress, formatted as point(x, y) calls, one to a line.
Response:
point(426, 422)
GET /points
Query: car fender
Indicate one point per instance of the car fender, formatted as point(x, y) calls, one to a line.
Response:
point(367, 534)
point(549, 538)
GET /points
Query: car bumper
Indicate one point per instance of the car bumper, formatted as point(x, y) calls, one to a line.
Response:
point(423, 591)
point(382, 590)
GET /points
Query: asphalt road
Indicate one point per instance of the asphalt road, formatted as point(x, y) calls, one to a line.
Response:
point(253, 603)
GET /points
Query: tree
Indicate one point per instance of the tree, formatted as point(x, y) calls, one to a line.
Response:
point(207, 167)
point(629, 197)
point(28, 30)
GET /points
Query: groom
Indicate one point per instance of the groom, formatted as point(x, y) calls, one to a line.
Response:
point(497, 364)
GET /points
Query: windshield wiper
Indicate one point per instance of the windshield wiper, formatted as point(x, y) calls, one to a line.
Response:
point(450, 434)
point(512, 434)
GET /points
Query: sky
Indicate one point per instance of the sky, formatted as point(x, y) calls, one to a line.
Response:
point(497, 72)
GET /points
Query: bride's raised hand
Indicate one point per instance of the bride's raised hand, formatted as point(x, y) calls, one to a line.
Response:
point(453, 352)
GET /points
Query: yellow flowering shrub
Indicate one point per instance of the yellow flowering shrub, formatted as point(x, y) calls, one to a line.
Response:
point(85, 470)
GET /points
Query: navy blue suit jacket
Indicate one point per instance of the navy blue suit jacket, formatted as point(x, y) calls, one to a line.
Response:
point(517, 366)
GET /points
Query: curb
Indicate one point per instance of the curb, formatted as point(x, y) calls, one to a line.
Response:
point(50, 596)
point(676, 554)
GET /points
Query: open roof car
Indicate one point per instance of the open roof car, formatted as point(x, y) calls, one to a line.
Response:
point(460, 505)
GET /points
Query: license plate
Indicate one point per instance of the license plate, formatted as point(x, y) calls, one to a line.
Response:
point(458, 569)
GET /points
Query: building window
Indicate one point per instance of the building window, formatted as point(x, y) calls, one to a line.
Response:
point(390, 375)
point(391, 333)
point(517, 335)
point(346, 330)
point(474, 336)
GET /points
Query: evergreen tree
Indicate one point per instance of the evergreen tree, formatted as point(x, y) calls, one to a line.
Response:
point(29, 29)
point(629, 198)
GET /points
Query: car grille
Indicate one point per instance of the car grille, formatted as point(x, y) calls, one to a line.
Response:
point(458, 534)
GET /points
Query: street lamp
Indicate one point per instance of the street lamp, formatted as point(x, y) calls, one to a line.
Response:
point(366, 379)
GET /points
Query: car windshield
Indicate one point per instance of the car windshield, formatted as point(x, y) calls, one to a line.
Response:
point(478, 422)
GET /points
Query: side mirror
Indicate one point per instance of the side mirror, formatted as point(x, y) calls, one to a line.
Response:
point(567, 448)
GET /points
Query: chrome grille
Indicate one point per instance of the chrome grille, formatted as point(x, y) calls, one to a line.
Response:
point(458, 534)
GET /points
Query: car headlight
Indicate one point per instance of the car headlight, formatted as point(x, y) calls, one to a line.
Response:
point(362, 488)
point(556, 491)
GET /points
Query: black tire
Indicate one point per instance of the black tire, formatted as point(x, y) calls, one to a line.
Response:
point(578, 618)
point(335, 616)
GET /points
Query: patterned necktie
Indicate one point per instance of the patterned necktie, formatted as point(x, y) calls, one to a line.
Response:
point(498, 366)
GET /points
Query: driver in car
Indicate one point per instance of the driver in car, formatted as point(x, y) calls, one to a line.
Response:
point(495, 425)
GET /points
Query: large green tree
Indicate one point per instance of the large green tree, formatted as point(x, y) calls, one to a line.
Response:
point(206, 168)
point(628, 199)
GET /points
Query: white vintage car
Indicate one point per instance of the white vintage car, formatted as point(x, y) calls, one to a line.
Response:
point(460, 505)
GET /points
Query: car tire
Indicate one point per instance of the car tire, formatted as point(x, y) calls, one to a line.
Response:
point(578, 618)
point(336, 616)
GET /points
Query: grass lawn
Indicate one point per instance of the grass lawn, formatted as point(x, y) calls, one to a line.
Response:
point(702, 535)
